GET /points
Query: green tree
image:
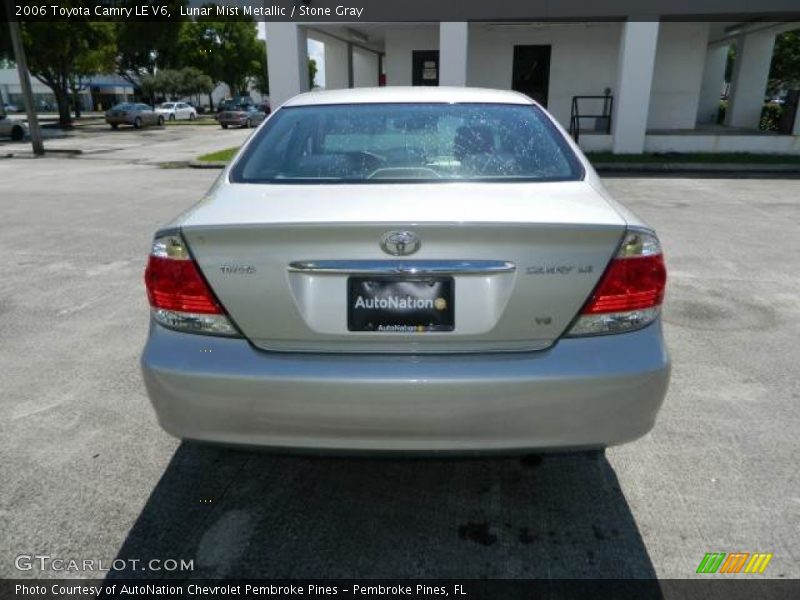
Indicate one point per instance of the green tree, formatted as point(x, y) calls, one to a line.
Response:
point(172, 83)
point(145, 47)
point(261, 78)
point(194, 82)
point(5, 57)
point(61, 52)
point(99, 59)
point(784, 72)
point(6, 52)
point(729, 63)
point(312, 72)
point(227, 51)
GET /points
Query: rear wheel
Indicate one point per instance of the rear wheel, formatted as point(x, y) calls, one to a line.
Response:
point(192, 116)
point(248, 124)
point(137, 123)
point(17, 133)
point(224, 125)
point(160, 121)
point(114, 125)
point(172, 117)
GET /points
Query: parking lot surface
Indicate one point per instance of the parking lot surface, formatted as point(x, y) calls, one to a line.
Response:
point(87, 473)
point(173, 143)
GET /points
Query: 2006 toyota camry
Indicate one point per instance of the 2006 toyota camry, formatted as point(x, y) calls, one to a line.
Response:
point(407, 269)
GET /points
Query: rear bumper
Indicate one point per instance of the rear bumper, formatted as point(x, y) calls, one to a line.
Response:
point(581, 393)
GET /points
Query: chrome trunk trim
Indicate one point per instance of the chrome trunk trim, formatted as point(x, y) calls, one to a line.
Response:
point(402, 267)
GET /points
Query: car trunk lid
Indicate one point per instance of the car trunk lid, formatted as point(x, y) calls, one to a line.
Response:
point(520, 259)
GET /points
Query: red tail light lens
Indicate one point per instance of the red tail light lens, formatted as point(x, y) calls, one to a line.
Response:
point(177, 285)
point(629, 284)
point(179, 295)
point(630, 292)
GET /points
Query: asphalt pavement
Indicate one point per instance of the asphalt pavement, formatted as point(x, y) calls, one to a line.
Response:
point(87, 473)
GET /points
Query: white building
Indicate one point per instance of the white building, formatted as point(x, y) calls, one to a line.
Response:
point(633, 85)
point(100, 91)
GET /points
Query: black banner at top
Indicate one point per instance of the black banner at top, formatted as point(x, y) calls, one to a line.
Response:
point(353, 11)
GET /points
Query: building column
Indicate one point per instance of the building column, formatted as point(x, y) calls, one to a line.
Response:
point(711, 89)
point(287, 61)
point(637, 57)
point(453, 53)
point(335, 64)
point(749, 81)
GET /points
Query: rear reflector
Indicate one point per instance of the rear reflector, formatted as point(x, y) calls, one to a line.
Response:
point(179, 296)
point(630, 293)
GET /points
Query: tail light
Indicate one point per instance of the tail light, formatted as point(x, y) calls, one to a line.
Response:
point(179, 295)
point(630, 293)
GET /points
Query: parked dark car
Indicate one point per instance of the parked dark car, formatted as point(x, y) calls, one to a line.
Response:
point(234, 103)
point(136, 114)
point(241, 116)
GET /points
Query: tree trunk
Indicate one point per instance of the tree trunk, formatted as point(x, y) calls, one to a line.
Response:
point(210, 102)
point(76, 99)
point(64, 116)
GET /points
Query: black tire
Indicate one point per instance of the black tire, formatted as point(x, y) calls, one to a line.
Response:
point(114, 125)
point(248, 124)
point(172, 117)
point(192, 116)
point(224, 125)
point(17, 133)
point(137, 123)
point(160, 121)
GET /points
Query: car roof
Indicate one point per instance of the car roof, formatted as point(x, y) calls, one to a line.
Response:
point(398, 94)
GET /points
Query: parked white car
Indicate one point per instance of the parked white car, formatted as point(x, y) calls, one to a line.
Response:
point(177, 110)
point(12, 128)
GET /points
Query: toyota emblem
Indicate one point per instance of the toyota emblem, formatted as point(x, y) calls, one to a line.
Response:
point(400, 243)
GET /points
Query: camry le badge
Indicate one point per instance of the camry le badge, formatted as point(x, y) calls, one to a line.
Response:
point(400, 243)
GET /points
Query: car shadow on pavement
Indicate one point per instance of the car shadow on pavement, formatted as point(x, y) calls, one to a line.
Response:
point(257, 515)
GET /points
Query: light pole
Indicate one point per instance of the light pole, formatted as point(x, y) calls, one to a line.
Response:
point(24, 82)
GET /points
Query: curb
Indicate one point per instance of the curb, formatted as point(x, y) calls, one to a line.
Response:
point(210, 164)
point(740, 168)
point(29, 153)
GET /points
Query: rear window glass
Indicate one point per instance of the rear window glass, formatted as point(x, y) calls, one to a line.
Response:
point(366, 143)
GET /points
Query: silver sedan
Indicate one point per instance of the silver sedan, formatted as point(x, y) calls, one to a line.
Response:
point(407, 269)
point(15, 129)
point(136, 114)
point(242, 116)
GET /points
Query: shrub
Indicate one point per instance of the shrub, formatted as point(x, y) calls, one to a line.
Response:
point(770, 117)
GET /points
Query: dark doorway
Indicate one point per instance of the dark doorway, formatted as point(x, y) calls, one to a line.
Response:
point(531, 72)
point(425, 67)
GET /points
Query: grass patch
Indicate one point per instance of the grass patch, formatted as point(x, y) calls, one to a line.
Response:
point(197, 121)
point(699, 158)
point(219, 156)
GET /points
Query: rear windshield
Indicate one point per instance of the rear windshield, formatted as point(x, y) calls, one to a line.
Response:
point(167, 105)
point(365, 143)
